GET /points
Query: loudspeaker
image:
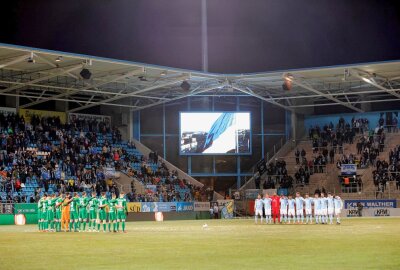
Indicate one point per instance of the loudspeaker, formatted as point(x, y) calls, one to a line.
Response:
point(85, 73)
point(185, 86)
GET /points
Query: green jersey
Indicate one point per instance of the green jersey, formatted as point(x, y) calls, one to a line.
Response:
point(93, 204)
point(102, 201)
point(121, 202)
point(59, 201)
point(40, 204)
point(74, 205)
point(44, 205)
point(83, 201)
point(50, 204)
point(111, 205)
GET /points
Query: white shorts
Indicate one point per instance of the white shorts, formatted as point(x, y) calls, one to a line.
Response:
point(299, 212)
point(308, 211)
point(291, 212)
point(323, 212)
point(317, 212)
point(330, 211)
point(338, 211)
point(268, 212)
point(283, 212)
point(259, 212)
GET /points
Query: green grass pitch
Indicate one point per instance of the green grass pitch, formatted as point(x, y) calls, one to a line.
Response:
point(225, 244)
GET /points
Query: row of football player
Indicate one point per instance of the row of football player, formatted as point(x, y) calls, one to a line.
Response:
point(73, 212)
point(291, 208)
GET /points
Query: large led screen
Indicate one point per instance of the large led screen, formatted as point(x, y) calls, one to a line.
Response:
point(215, 133)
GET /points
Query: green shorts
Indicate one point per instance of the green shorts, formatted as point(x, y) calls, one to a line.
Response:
point(58, 214)
point(121, 215)
point(50, 215)
point(73, 215)
point(112, 216)
point(92, 214)
point(102, 215)
point(83, 214)
point(44, 215)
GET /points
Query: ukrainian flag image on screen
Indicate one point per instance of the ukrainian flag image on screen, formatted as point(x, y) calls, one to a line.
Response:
point(215, 133)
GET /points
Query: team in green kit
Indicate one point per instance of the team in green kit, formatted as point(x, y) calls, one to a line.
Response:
point(82, 213)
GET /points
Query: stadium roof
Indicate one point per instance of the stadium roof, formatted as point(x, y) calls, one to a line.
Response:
point(43, 75)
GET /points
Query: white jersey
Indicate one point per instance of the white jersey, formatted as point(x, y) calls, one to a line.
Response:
point(324, 206)
point(267, 206)
point(317, 206)
point(338, 205)
point(299, 203)
point(284, 205)
point(258, 204)
point(291, 209)
point(267, 203)
point(308, 205)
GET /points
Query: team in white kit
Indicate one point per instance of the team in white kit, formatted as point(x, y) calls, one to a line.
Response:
point(322, 209)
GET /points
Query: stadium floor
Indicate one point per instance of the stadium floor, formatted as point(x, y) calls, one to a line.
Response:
point(225, 244)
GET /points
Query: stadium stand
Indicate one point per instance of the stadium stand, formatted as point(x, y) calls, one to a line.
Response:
point(48, 156)
point(315, 162)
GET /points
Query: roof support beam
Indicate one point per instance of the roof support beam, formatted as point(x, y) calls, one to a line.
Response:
point(64, 71)
point(191, 93)
point(69, 100)
point(372, 82)
point(15, 61)
point(132, 94)
point(60, 88)
point(83, 88)
point(55, 66)
point(355, 102)
point(262, 98)
point(311, 89)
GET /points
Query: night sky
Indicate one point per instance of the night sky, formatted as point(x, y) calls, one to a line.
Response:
point(243, 35)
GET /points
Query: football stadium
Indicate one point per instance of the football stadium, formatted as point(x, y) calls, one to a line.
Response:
point(201, 134)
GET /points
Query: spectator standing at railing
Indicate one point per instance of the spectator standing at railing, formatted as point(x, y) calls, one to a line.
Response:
point(395, 123)
point(303, 154)
point(297, 155)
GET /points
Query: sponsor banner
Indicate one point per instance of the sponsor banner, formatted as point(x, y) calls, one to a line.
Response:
point(184, 206)
point(166, 206)
point(7, 110)
point(348, 169)
point(28, 113)
point(134, 207)
point(370, 203)
point(6, 208)
point(149, 207)
point(25, 208)
point(201, 206)
point(72, 117)
point(372, 212)
point(227, 210)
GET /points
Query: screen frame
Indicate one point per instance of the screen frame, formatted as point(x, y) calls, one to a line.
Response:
point(216, 154)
